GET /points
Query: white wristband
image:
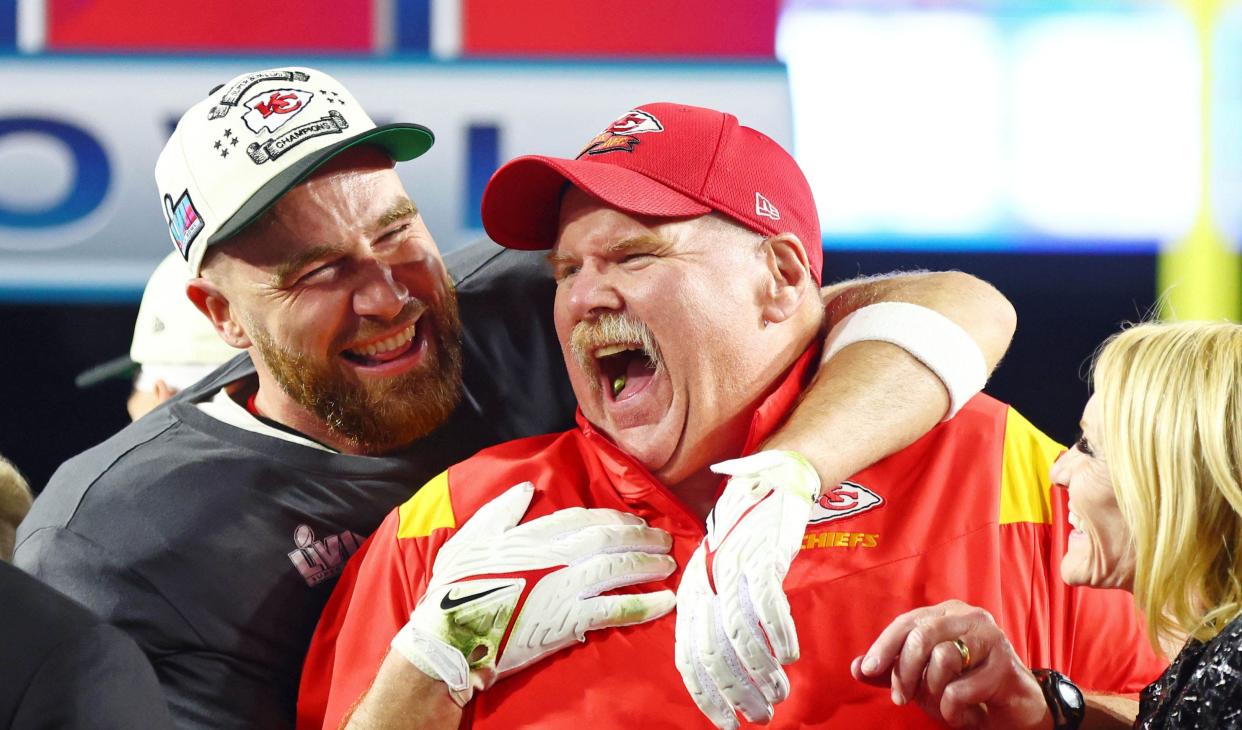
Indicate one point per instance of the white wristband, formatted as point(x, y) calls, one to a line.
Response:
point(437, 660)
point(932, 338)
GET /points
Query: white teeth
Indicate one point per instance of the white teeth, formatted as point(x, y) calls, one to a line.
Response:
point(614, 349)
point(392, 343)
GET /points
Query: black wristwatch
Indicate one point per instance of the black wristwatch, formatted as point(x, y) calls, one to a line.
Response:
point(1063, 697)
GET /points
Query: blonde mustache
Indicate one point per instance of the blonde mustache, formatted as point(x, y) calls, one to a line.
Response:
point(611, 329)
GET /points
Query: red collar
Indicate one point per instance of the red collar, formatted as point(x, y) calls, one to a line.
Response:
point(633, 480)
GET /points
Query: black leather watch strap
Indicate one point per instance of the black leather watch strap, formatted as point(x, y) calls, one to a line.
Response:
point(1064, 699)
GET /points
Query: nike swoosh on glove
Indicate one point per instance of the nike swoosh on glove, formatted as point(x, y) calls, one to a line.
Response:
point(731, 604)
point(504, 595)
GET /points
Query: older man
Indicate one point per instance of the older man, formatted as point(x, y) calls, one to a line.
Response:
point(213, 530)
point(688, 314)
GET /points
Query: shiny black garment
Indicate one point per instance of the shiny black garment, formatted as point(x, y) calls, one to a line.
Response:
point(1202, 688)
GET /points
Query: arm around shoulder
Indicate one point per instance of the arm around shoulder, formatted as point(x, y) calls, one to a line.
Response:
point(873, 397)
point(969, 302)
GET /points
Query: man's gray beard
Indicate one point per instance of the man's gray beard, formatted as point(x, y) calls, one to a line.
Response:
point(389, 415)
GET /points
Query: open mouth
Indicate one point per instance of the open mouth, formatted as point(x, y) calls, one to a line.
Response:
point(386, 350)
point(625, 369)
point(1075, 522)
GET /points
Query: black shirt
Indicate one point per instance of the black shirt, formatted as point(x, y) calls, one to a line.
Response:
point(64, 668)
point(216, 547)
point(1202, 688)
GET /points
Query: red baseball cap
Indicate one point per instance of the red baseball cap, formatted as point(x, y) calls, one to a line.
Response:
point(666, 161)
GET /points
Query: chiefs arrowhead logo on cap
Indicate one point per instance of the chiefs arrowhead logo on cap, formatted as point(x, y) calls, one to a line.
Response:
point(844, 500)
point(271, 109)
point(619, 136)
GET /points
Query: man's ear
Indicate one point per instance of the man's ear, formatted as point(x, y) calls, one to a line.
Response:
point(163, 391)
point(214, 305)
point(789, 276)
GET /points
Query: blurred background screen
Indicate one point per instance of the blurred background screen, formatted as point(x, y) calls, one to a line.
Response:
point(1083, 156)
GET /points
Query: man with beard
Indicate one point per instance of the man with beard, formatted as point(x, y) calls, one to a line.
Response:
point(688, 313)
point(214, 529)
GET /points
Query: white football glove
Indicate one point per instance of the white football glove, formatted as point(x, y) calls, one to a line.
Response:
point(503, 595)
point(731, 604)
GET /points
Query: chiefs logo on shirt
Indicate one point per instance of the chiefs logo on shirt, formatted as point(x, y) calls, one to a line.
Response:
point(844, 500)
point(619, 136)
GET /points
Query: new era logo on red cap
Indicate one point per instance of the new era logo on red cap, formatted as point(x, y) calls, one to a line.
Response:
point(765, 208)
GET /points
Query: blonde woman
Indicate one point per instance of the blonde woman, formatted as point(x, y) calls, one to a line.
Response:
point(1155, 499)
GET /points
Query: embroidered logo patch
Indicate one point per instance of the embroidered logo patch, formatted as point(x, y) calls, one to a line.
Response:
point(853, 540)
point(184, 222)
point(333, 123)
point(619, 136)
point(764, 207)
point(271, 109)
point(319, 560)
point(844, 500)
point(234, 94)
point(224, 144)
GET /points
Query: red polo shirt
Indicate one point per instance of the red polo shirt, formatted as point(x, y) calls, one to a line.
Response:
point(966, 512)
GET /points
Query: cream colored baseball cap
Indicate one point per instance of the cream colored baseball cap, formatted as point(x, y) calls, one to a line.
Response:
point(236, 152)
point(173, 341)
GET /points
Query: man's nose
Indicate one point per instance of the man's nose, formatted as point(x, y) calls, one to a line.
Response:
point(379, 294)
point(593, 292)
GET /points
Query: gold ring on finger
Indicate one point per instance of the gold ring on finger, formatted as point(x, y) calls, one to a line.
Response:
point(964, 651)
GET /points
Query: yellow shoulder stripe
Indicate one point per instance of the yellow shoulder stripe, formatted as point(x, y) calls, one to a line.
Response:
point(429, 509)
point(1025, 480)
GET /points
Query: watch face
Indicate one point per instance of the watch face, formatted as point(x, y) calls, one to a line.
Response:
point(1069, 695)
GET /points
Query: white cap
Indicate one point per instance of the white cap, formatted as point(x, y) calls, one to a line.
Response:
point(173, 341)
point(236, 152)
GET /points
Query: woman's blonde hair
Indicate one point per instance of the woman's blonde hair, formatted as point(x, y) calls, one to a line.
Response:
point(1170, 397)
point(15, 501)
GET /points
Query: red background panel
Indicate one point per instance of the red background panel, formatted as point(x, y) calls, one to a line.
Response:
point(257, 26)
point(670, 28)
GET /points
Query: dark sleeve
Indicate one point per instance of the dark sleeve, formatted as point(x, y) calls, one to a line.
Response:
point(89, 574)
point(1224, 712)
point(96, 679)
point(115, 593)
point(514, 371)
point(1214, 696)
point(213, 690)
point(192, 679)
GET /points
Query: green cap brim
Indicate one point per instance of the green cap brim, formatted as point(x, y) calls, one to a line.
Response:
point(122, 367)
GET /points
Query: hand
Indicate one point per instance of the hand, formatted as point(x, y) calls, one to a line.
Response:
point(731, 604)
point(536, 583)
point(916, 657)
